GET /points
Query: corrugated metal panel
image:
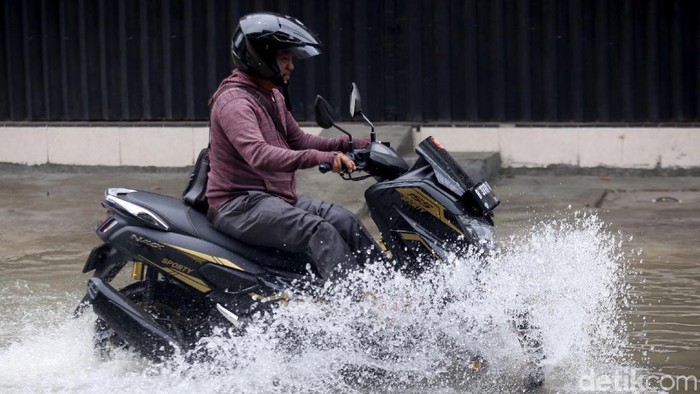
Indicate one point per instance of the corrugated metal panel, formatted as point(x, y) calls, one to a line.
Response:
point(631, 61)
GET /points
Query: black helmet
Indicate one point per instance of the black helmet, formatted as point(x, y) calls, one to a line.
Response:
point(260, 36)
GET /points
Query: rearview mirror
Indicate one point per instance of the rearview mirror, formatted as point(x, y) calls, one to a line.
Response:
point(356, 109)
point(325, 120)
point(355, 101)
point(323, 113)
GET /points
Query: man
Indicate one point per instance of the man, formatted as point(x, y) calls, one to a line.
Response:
point(256, 146)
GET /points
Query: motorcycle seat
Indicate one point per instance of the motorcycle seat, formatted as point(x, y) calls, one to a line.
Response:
point(184, 219)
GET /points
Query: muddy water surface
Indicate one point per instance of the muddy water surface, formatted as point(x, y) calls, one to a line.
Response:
point(46, 232)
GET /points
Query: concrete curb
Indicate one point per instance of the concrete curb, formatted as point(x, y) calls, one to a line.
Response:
point(518, 147)
point(584, 147)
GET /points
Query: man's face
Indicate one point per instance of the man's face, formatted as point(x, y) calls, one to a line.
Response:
point(286, 64)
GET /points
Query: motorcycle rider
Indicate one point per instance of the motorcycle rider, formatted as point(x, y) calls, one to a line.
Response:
point(253, 156)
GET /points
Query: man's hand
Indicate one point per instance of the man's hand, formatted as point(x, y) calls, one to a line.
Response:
point(341, 161)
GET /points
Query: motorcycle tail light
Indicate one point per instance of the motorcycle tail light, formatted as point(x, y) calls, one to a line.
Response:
point(107, 225)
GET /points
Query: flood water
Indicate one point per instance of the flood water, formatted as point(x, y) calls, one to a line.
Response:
point(613, 288)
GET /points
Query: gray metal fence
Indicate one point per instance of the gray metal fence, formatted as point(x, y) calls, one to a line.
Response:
point(627, 61)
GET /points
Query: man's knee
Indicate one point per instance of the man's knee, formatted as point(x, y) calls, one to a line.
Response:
point(343, 219)
point(324, 231)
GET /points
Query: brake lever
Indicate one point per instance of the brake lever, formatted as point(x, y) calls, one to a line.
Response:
point(348, 176)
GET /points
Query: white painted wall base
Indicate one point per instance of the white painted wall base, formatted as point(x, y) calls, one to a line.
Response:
point(518, 146)
point(643, 148)
point(105, 146)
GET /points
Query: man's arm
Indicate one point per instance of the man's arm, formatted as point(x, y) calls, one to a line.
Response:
point(239, 122)
point(300, 140)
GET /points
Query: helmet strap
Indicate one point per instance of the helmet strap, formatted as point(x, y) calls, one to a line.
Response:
point(284, 88)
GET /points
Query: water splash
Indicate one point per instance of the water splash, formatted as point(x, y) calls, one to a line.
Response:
point(382, 331)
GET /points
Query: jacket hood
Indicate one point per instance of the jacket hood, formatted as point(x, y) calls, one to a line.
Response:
point(236, 76)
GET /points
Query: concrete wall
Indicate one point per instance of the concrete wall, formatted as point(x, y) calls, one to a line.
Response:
point(642, 148)
point(106, 146)
point(518, 146)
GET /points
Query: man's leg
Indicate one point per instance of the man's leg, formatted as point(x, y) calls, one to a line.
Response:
point(265, 220)
point(348, 225)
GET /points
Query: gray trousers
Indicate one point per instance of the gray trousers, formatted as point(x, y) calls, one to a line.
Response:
point(334, 237)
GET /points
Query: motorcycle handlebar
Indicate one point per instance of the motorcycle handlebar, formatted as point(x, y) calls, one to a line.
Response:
point(359, 164)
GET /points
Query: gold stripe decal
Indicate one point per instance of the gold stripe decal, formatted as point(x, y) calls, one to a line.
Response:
point(202, 257)
point(181, 276)
point(416, 237)
point(419, 200)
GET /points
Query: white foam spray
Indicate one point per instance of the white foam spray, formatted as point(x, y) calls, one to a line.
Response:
point(378, 331)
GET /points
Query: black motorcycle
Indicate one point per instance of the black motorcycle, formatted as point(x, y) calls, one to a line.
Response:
point(188, 277)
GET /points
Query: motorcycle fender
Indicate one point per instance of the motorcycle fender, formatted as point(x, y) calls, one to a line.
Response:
point(97, 256)
point(106, 261)
point(130, 321)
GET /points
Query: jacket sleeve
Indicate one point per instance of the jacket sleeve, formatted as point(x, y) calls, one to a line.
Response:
point(239, 121)
point(299, 140)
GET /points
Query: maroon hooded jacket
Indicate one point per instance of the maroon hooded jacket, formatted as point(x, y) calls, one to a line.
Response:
point(249, 153)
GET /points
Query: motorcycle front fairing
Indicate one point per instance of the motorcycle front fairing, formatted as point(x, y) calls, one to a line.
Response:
point(383, 161)
point(432, 211)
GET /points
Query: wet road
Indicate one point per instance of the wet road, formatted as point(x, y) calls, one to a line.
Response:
point(47, 221)
point(662, 217)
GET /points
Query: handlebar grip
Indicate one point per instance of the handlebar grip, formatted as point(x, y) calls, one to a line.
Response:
point(324, 168)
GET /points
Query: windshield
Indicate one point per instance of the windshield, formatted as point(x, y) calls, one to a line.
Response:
point(451, 175)
point(447, 171)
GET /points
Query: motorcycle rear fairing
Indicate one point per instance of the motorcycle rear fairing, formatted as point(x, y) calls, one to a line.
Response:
point(196, 263)
point(191, 264)
point(185, 220)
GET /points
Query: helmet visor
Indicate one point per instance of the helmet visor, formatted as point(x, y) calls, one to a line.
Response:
point(304, 52)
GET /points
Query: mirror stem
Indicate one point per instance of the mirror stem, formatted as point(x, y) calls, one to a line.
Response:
point(372, 134)
point(351, 144)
